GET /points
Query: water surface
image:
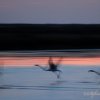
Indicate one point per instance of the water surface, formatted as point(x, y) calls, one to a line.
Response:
point(76, 83)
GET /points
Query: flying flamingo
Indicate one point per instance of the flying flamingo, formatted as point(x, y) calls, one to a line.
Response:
point(98, 73)
point(52, 67)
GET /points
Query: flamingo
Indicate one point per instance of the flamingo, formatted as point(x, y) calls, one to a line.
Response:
point(98, 73)
point(52, 67)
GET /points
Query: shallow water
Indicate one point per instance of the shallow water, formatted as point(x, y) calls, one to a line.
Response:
point(76, 83)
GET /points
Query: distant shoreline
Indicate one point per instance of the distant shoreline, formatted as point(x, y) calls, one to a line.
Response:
point(54, 53)
point(49, 36)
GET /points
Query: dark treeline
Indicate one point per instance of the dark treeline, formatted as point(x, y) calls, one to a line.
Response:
point(49, 36)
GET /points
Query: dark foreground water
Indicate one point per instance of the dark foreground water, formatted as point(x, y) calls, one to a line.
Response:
point(76, 83)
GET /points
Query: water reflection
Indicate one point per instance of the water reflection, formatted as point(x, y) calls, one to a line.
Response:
point(57, 83)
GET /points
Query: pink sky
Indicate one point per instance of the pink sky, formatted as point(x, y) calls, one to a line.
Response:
point(31, 61)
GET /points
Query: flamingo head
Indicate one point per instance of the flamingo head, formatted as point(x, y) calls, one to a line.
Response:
point(36, 65)
point(91, 71)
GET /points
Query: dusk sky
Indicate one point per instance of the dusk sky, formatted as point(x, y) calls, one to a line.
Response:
point(50, 11)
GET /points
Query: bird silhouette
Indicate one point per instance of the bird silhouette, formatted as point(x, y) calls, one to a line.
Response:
point(98, 73)
point(52, 67)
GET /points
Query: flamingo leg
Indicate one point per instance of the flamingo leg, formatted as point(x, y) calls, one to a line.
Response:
point(57, 74)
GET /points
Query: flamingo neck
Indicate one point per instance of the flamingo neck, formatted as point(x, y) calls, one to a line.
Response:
point(97, 72)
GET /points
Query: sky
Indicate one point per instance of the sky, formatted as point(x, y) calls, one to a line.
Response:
point(31, 61)
point(50, 11)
